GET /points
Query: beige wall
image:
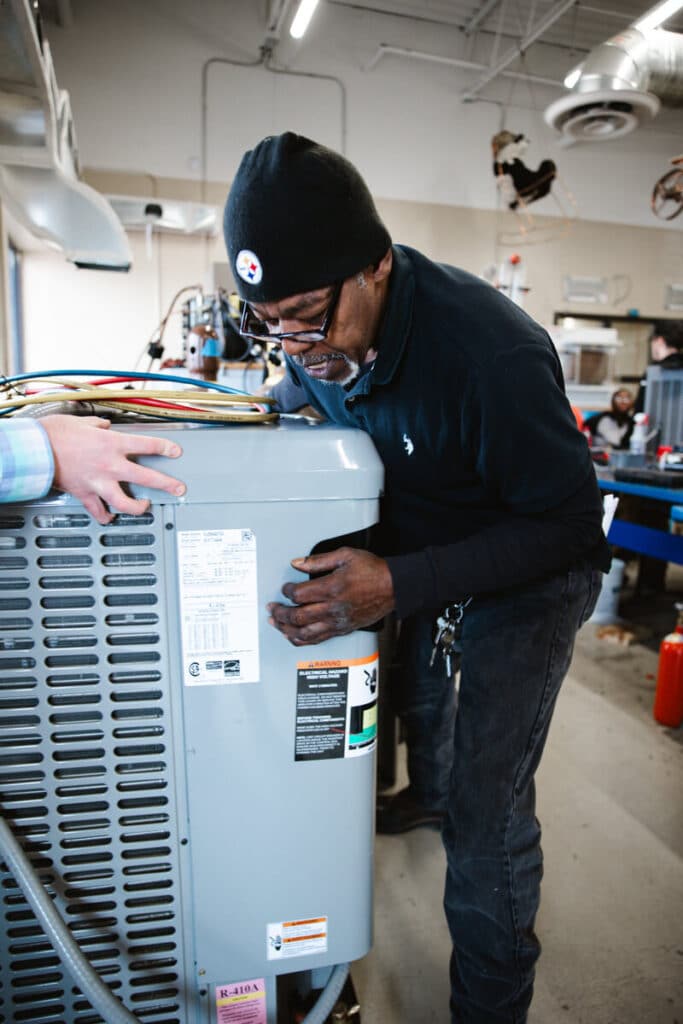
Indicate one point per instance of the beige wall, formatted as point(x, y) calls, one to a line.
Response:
point(639, 262)
point(4, 298)
point(86, 318)
point(647, 257)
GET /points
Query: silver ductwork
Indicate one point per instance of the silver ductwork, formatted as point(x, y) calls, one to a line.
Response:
point(622, 83)
point(39, 169)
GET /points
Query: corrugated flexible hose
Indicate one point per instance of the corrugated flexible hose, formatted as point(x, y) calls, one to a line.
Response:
point(88, 980)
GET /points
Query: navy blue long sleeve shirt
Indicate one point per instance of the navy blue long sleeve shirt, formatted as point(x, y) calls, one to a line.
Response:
point(489, 484)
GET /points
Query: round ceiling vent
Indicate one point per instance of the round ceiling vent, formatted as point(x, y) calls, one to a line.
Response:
point(601, 115)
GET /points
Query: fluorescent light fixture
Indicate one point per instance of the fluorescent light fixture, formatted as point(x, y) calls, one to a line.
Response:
point(658, 15)
point(303, 16)
point(573, 76)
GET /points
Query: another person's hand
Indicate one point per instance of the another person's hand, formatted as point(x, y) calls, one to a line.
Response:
point(357, 592)
point(91, 462)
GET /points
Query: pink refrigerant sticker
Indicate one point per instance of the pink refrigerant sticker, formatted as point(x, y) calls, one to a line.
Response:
point(241, 1002)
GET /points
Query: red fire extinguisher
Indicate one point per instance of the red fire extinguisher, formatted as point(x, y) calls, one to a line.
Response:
point(668, 709)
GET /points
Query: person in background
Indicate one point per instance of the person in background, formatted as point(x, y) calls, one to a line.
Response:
point(82, 456)
point(666, 344)
point(666, 350)
point(490, 504)
point(613, 428)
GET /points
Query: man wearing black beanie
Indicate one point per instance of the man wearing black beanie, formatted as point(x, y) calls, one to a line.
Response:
point(491, 509)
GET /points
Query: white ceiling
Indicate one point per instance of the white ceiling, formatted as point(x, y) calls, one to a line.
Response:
point(579, 29)
point(134, 72)
point(552, 34)
point(548, 37)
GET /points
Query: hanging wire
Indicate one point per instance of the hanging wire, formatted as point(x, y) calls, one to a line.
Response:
point(500, 208)
point(527, 231)
point(157, 335)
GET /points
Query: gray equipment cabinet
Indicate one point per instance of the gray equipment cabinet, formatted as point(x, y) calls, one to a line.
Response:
point(196, 793)
point(664, 403)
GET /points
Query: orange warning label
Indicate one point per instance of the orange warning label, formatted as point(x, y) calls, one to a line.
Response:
point(337, 662)
point(296, 938)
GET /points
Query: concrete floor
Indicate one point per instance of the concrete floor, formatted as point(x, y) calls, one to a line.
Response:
point(610, 801)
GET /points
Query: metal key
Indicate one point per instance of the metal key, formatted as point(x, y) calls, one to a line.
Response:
point(447, 631)
point(441, 626)
point(447, 641)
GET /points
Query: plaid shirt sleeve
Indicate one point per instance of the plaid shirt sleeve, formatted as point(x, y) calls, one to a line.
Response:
point(26, 462)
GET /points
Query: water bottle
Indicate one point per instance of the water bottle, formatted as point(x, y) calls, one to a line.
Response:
point(639, 437)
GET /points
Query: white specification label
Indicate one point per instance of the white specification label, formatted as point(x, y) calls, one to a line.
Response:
point(218, 606)
point(296, 938)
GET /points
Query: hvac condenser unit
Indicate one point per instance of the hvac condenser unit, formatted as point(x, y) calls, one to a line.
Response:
point(196, 793)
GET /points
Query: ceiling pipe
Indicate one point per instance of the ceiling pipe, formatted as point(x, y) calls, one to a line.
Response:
point(204, 111)
point(65, 16)
point(265, 60)
point(539, 29)
point(270, 66)
point(481, 15)
point(384, 50)
point(279, 9)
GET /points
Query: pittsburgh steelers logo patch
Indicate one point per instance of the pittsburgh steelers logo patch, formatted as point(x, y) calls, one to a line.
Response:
point(248, 266)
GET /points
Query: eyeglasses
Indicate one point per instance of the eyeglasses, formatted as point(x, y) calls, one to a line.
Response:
point(252, 326)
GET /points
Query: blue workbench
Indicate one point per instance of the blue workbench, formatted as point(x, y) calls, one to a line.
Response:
point(643, 539)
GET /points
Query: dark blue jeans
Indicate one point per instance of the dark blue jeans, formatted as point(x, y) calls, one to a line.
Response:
point(516, 649)
point(425, 701)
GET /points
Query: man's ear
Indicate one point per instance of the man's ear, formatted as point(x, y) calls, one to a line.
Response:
point(381, 270)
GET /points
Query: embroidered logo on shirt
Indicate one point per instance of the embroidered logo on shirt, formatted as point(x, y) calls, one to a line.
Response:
point(408, 444)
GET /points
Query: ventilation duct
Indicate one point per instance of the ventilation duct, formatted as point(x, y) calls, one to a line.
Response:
point(621, 84)
point(170, 215)
point(39, 170)
point(66, 214)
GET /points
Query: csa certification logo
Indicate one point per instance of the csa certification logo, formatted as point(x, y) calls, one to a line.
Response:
point(248, 266)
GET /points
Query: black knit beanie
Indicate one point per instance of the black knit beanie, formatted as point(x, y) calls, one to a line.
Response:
point(298, 217)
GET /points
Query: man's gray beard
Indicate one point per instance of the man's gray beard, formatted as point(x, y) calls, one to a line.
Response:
point(353, 370)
